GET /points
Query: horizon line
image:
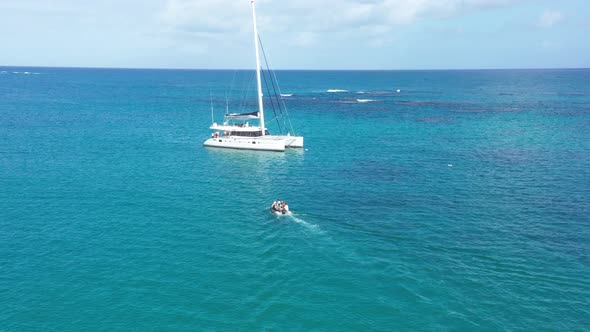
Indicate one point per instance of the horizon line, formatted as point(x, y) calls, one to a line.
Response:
point(297, 69)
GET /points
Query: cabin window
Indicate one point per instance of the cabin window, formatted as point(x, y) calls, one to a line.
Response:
point(247, 133)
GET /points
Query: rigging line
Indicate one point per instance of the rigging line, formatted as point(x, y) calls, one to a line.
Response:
point(248, 80)
point(231, 87)
point(239, 102)
point(270, 97)
point(243, 90)
point(270, 71)
point(280, 100)
point(211, 98)
point(272, 104)
point(226, 104)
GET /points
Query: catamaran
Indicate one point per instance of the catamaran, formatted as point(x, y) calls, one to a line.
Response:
point(237, 132)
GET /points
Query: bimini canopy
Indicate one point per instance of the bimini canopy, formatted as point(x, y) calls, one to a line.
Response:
point(242, 116)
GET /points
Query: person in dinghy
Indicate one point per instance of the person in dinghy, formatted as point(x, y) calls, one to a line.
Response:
point(279, 207)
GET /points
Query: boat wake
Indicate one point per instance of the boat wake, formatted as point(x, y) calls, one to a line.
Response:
point(305, 223)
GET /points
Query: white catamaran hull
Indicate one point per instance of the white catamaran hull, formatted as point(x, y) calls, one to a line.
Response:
point(265, 143)
point(293, 141)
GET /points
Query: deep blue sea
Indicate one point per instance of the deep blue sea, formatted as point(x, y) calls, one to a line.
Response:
point(459, 203)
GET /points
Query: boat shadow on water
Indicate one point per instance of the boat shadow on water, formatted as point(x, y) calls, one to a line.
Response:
point(235, 155)
point(266, 159)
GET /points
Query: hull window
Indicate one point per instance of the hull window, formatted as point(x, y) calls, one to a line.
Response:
point(247, 133)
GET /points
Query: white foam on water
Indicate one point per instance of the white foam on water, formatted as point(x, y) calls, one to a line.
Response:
point(305, 223)
point(286, 94)
point(365, 100)
point(19, 72)
point(336, 90)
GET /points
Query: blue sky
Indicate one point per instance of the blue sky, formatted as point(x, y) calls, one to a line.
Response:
point(302, 34)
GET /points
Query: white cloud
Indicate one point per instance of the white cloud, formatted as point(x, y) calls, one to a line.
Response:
point(311, 16)
point(224, 26)
point(35, 6)
point(305, 38)
point(204, 16)
point(550, 18)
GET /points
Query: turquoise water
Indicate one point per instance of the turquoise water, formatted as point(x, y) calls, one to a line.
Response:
point(459, 203)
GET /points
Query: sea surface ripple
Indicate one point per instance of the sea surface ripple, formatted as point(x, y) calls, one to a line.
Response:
point(442, 200)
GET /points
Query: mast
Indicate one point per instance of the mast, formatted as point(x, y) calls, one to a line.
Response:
point(258, 80)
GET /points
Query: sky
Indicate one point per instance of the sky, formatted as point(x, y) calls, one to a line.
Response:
point(298, 34)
